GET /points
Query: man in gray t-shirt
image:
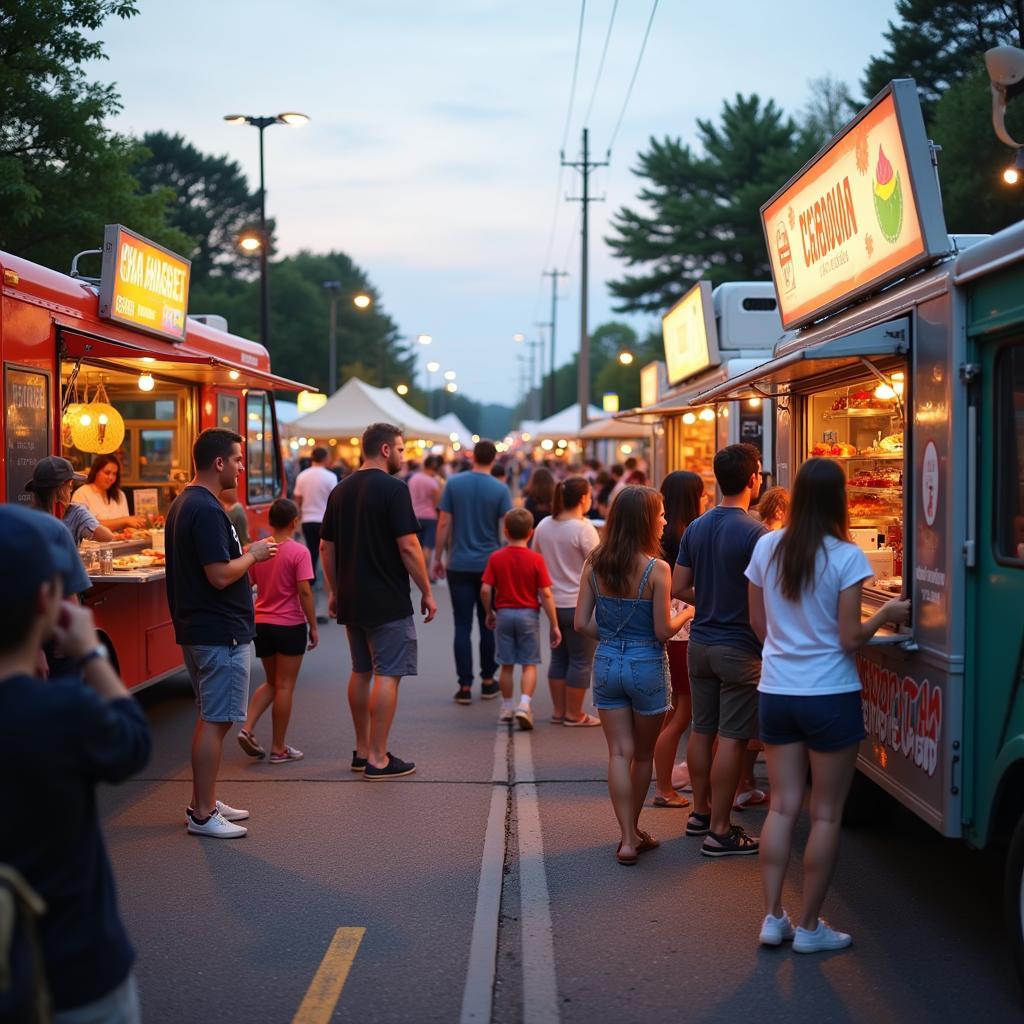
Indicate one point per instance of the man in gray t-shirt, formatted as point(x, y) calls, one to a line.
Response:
point(471, 510)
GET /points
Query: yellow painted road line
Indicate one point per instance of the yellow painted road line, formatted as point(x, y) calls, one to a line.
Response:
point(325, 989)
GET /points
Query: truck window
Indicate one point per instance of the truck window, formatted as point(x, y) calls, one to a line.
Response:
point(261, 460)
point(1009, 433)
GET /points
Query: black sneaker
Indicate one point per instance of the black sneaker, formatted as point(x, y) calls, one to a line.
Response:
point(735, 843)
point(463, 695)
point(396, 768)
point(698, 824)
point(358, 763)
point(488, 691)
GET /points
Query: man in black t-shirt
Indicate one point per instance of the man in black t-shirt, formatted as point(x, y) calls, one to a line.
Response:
point(211, 605)
point(370, 547)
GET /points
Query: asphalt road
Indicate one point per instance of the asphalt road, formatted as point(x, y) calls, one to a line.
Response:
point(429, 899)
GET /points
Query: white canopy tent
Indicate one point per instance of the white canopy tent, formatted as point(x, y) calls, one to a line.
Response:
point(611, 429)
point(564, 424)
point(354, 406)
point(453, 425)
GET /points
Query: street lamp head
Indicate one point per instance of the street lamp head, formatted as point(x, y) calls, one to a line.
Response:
point(362, 301)
point(519, 338)
point(293, 117)
point(451, 387)
point(433, 367)
point(250, 241)
point(402, 389)
point(625, 357)
point(449, 375)
point(424, 339)
point(236, 118)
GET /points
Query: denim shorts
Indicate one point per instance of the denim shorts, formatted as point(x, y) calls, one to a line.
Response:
point(517, 636)
point(573, 659)
point(824, 722)
point(220, 680)
point(632, 674)
point(385, 650)
point(428, 532)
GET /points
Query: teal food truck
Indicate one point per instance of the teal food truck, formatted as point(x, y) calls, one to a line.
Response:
point(904, 361)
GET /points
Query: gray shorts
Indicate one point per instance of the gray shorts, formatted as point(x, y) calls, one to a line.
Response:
point(385, 650)
point(220, 680)
point(517, 636)
point(573, 659)
point(723, 684)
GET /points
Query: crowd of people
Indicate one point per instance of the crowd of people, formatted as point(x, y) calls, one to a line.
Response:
point(737, 625)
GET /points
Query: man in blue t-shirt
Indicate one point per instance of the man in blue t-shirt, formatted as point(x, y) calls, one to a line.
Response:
point(58, 739)
point(471, 510)
point(724, 655)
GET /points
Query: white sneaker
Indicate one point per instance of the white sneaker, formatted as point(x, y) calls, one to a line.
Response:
point(524, 718)
point(820, 940)
point(216, 826)
point(506, 715)
point(230, 813)
point(776, 930)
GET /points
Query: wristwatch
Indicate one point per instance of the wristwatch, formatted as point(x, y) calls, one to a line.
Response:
point(99, 651)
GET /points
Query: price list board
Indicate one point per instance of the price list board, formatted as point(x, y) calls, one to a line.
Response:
point(27, 414)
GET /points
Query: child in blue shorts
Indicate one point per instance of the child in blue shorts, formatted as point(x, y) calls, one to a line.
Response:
point(515, 584)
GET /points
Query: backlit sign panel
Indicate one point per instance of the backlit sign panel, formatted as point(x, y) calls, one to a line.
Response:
point(863, 212)
point(689, 335)
point(143, 285)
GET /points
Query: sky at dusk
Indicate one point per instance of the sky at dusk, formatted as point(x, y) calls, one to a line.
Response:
point(431, 156)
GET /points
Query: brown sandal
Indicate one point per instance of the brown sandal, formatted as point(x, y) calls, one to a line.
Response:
point(625, 860)
point(647, 842)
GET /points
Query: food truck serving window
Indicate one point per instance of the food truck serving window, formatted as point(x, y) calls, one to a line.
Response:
point(1009, 506)
point(261, 460)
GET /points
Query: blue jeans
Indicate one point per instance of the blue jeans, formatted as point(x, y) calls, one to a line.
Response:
point(464, 588)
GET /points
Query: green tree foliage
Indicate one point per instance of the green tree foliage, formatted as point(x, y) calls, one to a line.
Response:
point(974, 197)
point(212, 205)
point(829, 108)
point(939, 43)
point(63, 174)
point(701, 209)
point(369, 344)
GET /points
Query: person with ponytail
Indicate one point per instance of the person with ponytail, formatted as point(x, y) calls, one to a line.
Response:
point(565, 539)
point(685, 500)
point(625, 602)
point(805, 606)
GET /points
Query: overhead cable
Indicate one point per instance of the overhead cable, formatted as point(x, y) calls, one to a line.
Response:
point(600, 66)
point(632, 81)
point(575, 74)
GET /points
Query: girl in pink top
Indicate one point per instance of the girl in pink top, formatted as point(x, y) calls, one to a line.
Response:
point(284, 609)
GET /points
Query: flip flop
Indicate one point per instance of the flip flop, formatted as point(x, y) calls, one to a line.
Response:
point(647, 842)
point(751, 798)
point(581, 723)
point(558, 719)
point(625, 860)
point(675, 800)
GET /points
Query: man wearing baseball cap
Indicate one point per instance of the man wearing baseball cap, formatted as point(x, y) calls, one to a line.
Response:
point(58, 738)
point(51, 485)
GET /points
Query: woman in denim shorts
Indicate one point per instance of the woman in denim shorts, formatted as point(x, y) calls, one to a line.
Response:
point(627, 608)
point(805, 606)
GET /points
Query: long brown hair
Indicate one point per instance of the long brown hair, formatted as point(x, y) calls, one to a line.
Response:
point(569, 493)
point(682, 492)
point(101, 462)
point(817, 510)
point(632, 529)
point(541, 488)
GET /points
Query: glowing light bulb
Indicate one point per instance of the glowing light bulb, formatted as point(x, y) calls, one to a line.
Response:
point(885, 393)
point(707, 415)
point(146, 382)
point(689, 418)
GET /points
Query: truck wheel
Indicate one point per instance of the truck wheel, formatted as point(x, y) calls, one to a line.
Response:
point(865, 804)
point(1014, 898)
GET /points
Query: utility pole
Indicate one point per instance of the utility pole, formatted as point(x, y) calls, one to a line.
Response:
point(584, 166)
point(554, 274)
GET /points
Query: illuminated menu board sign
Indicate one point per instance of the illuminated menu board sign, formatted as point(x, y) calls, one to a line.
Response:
point(689, 334)
point(143, 285)
point(863, 212)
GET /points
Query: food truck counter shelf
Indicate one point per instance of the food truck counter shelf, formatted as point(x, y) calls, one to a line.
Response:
point(882, 492)
point(141, 575)
point(859, 414)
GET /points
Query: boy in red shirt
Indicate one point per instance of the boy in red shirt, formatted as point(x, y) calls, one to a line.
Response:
point(512, 581)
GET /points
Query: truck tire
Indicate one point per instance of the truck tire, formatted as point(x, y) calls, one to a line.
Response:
point(1013, 900)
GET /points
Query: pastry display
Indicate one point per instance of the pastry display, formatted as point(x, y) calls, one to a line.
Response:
point(867, 506)
point(835, 449)
point(891, 445)
point(881, 479)
point(126, 563)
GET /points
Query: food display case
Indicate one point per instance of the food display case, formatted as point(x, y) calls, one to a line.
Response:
point(861, 426)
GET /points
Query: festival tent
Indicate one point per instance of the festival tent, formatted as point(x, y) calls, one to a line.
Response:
point(610, 428)
point(563, 424)
point(354, 406)
point(453, 425)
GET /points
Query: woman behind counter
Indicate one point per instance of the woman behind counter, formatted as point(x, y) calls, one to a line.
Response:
point(102, 495)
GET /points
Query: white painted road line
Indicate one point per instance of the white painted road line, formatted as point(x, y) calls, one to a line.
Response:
point(540, 989)
point(478, 995)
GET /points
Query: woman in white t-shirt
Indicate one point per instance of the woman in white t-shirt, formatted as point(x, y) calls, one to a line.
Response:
point(101, 494)
point(565, 539)
point(805, 606)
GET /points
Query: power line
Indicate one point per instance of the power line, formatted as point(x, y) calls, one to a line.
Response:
point(600, 66)
point(632, 81)
point(575, 73)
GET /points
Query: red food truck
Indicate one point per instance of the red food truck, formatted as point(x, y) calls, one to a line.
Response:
point(116, 365)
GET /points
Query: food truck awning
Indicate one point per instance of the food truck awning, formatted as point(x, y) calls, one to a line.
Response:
point(719, 376)
point(822, 365)
point(611, 428)
point(163, 359)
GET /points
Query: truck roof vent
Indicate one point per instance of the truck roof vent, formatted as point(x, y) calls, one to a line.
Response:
point(214, 320)
point(760, 305)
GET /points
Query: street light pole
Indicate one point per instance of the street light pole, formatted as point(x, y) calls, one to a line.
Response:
point(334, 287)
